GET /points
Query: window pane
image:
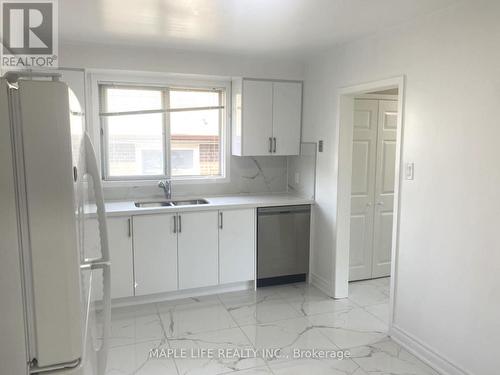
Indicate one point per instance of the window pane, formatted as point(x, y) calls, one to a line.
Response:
point(135, 145)
point(120, 99)
point(189, 99)
point(195, 143)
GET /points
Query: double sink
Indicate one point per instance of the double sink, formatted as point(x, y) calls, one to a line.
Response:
point(172, 203)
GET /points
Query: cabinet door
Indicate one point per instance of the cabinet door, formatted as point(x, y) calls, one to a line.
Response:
point(121, 253)
point(287, 116)
point(236, 245)
point(257, 117)
point(198, 249)
point(155, 254)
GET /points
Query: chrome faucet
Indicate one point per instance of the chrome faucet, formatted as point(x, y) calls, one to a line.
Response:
point(166, 185)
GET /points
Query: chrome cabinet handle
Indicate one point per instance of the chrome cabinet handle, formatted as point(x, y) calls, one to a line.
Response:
point(270, 145)
point(175, 223)
point(274, 147)
point(380, 203)
point(129, 227)
point(180, 223)
point(221, 224)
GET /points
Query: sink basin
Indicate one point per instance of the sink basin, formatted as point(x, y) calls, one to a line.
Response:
point(189, 202)
point(186, 202)
point(153, 204)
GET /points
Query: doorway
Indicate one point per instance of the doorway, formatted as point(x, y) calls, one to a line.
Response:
point(385, 90)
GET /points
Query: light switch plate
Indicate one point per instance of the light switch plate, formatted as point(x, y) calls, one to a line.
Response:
point(409, 171)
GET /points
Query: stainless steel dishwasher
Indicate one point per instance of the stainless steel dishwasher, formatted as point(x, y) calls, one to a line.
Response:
point(282, 244)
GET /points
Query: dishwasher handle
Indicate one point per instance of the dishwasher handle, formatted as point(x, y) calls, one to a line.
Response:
point(283, 210)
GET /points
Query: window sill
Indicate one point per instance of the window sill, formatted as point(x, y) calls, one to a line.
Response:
point(175, 181)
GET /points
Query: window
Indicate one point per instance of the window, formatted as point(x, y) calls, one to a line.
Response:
point(154, 132)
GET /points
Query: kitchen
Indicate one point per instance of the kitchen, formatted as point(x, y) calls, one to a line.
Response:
point(186, 193)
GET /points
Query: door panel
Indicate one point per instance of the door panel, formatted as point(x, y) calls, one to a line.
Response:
point(198, 241)
point(362, 188)
point(236, 245)
point(155, 254)
point(287, 110)
point(384, 188)
point(361, 155)
point(358, 240)
point(257, 117)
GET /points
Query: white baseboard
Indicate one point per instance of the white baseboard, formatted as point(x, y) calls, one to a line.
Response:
point(322, 284)
point(189, 293)
point(425, 353)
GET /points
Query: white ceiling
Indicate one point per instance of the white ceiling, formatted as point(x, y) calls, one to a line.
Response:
point(236, 26)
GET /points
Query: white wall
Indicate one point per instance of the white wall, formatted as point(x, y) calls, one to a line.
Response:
point(448, 291)
point(247, 175)
point(177, 61)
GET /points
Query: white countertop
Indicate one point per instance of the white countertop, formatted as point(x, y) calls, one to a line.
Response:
point(121, 208)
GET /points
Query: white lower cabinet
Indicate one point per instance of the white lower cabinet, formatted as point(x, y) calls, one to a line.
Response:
point(155, 253)
point(159, 253)
point(236, 245)
point(198, 249)
point(121, 254)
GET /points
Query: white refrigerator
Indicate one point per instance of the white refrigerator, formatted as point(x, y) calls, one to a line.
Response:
point(54, 285)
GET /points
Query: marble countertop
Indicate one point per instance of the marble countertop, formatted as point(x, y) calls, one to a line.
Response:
point(120, 208)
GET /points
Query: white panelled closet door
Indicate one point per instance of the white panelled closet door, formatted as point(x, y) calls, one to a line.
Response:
point(384, 187)
point(372, 188)
point(364, 150)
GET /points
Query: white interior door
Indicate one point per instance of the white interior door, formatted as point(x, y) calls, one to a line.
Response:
point(363, 188)
point(384, 187)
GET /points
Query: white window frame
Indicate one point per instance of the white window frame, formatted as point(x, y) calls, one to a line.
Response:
point(147, 80)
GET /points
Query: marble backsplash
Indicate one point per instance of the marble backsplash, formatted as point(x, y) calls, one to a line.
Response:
point(302, 171)
point(248, 175)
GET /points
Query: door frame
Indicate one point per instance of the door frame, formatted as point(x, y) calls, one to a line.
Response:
point(343, 165)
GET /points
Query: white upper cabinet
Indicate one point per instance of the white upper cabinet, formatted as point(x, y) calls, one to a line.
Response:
point(287, 113)
point(266, 117)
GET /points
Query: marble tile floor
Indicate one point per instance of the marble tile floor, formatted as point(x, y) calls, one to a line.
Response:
point(288, 318)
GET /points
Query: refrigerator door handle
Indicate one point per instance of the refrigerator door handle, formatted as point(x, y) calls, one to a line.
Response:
point(104, 261)
point(93, 171)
